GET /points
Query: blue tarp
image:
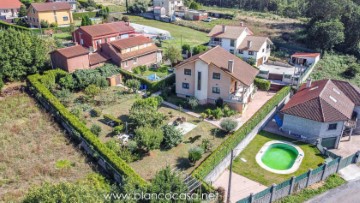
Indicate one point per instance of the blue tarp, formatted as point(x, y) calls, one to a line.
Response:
point(278, 120)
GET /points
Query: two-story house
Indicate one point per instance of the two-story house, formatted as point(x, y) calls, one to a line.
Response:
point(73, 3)
point(239, 40)
point(92, 36)
point(216, 74)
point(52, 12)
point(131, 52)
point(9, 9)
point(170, 6)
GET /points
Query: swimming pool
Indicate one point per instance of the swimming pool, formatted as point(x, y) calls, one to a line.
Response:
point(153, 77)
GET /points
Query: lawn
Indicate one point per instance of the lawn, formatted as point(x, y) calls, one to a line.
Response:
point(63, 36)
point(33, 149)
point(332, 66)
point(250, 169)
point(181, 35)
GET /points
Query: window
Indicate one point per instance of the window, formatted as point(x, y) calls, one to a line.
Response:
point(199, 81)
point(263, 50)
point(185, 85)
point(216, 90)
point(126, 64)
point(187, 71)
point(232, 43)
point(251, 53)
point(241, 52)
point(216, 76)
point(135, 60)
point(65, 18)
point(332, 126)
point(232, 51)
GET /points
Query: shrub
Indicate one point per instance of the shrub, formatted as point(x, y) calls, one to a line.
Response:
point(262, 84)
point(109, 117)
point(203, 115)
point(228, 124)
point(44, 24)
point(64, 96)
point(228, 112)
point(251, 61)
point(199, 49)
point(219, 102)
point(76, 112)
point(195, 154)
point(95, 129)
point(208, 112)
point(132, 145)
point(148, 138)
point(217, 113)
point(92, 90)
point(133, 84)
point(118, 129)
point(125, 19)
point(193, 102)
point(351, 71)
point(95, 112)
point(1, 83)
point(206, 145)
point(172, 136)
point(123, 152)
point(67, 82)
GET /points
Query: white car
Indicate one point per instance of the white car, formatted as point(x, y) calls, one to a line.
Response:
point(208, 19)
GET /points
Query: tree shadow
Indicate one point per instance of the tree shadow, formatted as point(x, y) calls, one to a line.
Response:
point(192, 139)
point(218, 133)
point(183, 163)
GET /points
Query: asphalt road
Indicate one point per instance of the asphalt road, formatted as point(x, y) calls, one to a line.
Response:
point(348, 193)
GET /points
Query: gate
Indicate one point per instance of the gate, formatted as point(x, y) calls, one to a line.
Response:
point(329, 143)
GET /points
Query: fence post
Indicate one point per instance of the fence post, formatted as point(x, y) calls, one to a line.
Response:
point(309, 177)
point(272, 197)
point(338, 166)
point(324, 171)
point(292, 184)
point(251, 197)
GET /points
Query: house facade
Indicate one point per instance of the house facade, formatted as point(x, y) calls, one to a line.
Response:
point(305, 59)
point(131, 52)
point(239, 40)
point(73, 3)
point(9, 9)
point(53, 12)
point(216, 74)
point(92, 36)
point(170, 6)
point(321, 111)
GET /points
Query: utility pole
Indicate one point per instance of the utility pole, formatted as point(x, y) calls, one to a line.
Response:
point(127, 6)
point(229, 185)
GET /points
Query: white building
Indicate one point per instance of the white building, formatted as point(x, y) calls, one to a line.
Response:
point(239, 40)
point(170, 5)
point(9, 9)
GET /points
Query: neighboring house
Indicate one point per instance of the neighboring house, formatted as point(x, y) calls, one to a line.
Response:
point(73, 3)
point(132, 52)
point(321, 111)
point(75, 58)
point(195, 15)
point(9, 9)
point(239, 40)
point(53, 12)
point(170, 6)
point(216, 74)
point(92, 36)
point(305, 59)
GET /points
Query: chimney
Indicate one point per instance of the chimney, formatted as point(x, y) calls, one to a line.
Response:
point(231, 66)
point(223, 28)
point(249, 44)
point(308, 83)
point(242, 24)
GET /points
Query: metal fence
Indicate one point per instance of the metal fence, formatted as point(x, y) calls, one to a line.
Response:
point(296, 184)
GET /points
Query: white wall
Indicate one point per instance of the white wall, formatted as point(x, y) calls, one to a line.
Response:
point(8, 14)
point(202, 67)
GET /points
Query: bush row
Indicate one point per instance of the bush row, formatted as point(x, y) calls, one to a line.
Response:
point(6, 25)
point(120, 165)
point(78, 16)
point(152, 86)
point(116, 121)
point(262, 84)
point(224, 149)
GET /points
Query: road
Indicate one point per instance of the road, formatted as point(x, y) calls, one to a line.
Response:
point(348, 193)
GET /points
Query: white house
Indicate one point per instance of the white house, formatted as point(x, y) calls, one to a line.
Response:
point(305, 59)
point(9, 9)
point(239, 40)
point(170, 6)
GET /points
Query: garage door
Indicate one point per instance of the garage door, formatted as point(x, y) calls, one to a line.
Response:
point(329, 142)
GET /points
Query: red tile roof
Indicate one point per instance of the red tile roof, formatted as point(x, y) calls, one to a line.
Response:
point(350, 90)
point(300, 54)
point(231, 31)
point(107, 29)
point(220, 57)
point(131, 42)
point(140, 52)
point(256, 43)
point(323, 102)
point(8, 4)
point(51, 6)
point(70, 52)
point(96, 58)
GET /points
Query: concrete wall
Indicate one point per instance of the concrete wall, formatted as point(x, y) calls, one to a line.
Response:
point(310, 129)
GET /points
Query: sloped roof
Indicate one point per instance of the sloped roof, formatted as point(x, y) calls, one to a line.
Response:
point(231, 31)
point(322, 102)
point(131, 42)
point(96, 58)
point(51, 6)
point(301, 54)
point(256, 43)
point(138, 53)
point(8, 4)
point(350, 90)
point(220, 57)
point(73, 51)
point(107, 28)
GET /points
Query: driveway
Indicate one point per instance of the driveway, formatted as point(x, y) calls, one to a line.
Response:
point(241, 187)
point(347, 148)
point(348, 193)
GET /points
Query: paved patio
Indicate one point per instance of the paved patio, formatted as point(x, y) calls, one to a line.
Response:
point(347, 148)
point(241, 187)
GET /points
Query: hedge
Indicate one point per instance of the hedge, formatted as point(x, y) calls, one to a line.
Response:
point(233, 140)
point(152, 86)
point(78, 16)
point(6, 25)
point(116, 121)
point(262, 84)
point(110, 157)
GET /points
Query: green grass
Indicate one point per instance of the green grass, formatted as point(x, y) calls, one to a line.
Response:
point(331, 182)
point(64, 164)
point(253, 171)
point(332, 66)
point(116, 8)
point(180, 34)
point(63, 36)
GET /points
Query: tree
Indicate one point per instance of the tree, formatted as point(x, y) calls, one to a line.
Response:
point(148, 138)
point(145, 112)
point(228, 124)
point(194, 5)
point(193, 102)
point(139, 6)
point(92, 90)
point(173, 54)
point(22, 11)
point(44, 24)
point(1, 83)
point(206, 145)
point(67, 82)
point(22, 53)
point(325, 35)
point(172, 136)
point(85, 20)
point(195, 154)
point(133, 84)
point(118, 129)
point(199, 49)
point(104, 12)
point(167, 182)
point(352, 71)
point(125, 19)
point(95, 129)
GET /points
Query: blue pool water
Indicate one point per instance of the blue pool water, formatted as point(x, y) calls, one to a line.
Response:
point(153, 77)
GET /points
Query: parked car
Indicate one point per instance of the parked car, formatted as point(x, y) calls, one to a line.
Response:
point(209, 19)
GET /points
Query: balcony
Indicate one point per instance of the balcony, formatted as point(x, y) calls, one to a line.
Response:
point(215, 43)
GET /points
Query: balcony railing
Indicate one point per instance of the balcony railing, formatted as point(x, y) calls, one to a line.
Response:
point(235, 98)
point(215, 43)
